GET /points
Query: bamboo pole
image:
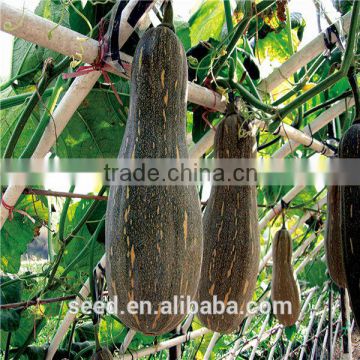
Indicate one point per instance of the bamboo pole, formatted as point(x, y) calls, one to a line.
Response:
point(233, 352)
point(345, 321)
point(70, 43)
point(260, 336)
point(279, 332)
point(277, 208)
point(301, 317)
point(336, 333)
point(77, 92)
point(128, 338)
point(323, 347)
point(309, 257)
point(317, 334)
point(301, 58)
point(70, 317)
point(323, 119)
point(296, 137)
point(301, 137)
point(211, 345)
point(33, 28)
point(306, 216)
point(308, 330)
point(163, 345)
point(316, 307)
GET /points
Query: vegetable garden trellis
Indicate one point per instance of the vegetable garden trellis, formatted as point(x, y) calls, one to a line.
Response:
point(63, 42)
point(35, 29)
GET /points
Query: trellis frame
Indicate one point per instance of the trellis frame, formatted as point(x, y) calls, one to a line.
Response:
point(34, 28)
point(197, 94)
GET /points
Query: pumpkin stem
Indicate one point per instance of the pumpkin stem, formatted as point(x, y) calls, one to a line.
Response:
point(232, 108)
point(168, 18)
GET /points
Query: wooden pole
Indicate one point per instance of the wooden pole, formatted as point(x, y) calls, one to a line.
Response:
point(77, 92)
point(211, 345)
point(323, 119)
point(34, 28)
point(330, 322)
point(345, 323)
point(70, 317)
point(301, 58)
point(164, 345)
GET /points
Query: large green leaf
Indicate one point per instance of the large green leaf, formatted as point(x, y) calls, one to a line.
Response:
point(96, 129)
point(80, 242)
point(31, 323)
point(314, 273)
point(19, 232)
point(9, 319)
point(207, 22)
point(275, 46)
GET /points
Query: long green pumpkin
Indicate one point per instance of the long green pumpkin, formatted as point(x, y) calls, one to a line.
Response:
point(350, 224)
point(231, 235)
point(333, 243)
point(154, 233)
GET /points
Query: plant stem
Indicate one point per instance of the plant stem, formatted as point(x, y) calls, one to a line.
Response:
point(91, 258)
point(9, 82)
point(34, 141)
point(7, 348)
point(240, 28)
point(334, 78)
point(29, 191)
point(63, 215)
point(49, 73)
point(85, 217)
point(51, 251)
point(16, 100)
point(326, 104)
point(252, 100)
point(355, 90)
point(228, 16)
point(318, 62)
point(249, 81)
point(232, 44)
point(84, 249)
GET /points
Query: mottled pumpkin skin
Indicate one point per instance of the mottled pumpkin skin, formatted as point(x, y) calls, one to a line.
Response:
point(350, 221)
point(333, 243)
point(154, 233)
point(284, 286)
point(231, 234)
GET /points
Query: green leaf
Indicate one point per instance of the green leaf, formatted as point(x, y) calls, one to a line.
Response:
point(314, 273)
point(96, 129)
point(19, 232)
point(183, 33)
point(31, 323)
point(275, 46)
point(9, 319)
point(290, 332)
point(207, 22)
point(78, 23)
point(81, 241)
point(15, 235)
